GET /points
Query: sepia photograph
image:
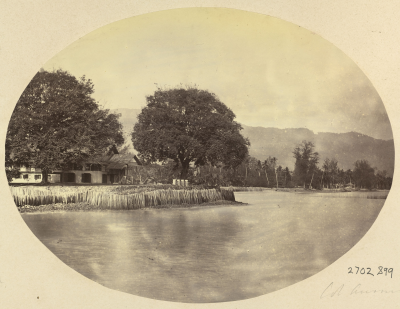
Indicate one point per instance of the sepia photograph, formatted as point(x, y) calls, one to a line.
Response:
point(201, 155)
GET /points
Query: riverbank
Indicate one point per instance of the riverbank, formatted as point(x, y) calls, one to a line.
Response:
point(95, 198)
point(119, 197)
point(86, 207)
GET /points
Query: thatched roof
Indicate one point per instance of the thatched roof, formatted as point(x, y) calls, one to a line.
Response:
point(118, 161)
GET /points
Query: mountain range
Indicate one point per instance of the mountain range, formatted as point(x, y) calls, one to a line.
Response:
point(346, 148)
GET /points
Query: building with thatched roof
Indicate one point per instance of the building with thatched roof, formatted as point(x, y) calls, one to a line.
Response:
point(107, 169)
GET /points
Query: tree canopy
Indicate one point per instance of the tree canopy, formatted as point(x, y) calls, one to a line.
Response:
point(57, 122)
point(306, 162)
point(363, 174)
point(188, 125)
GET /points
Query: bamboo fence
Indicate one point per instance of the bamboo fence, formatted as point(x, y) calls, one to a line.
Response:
point(34, 196)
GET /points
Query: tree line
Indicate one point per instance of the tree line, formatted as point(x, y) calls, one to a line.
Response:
point(188, 133)
point(309, 175)
point(306, 173)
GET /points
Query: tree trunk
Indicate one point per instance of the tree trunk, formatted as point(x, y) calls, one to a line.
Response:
point(312, 177)
point(185, 169)
point(45, 178)
point(322, 180)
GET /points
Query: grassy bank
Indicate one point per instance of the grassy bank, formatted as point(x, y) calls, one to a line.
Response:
point(114, 197)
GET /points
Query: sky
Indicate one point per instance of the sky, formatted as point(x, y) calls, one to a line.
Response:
point(269, 72)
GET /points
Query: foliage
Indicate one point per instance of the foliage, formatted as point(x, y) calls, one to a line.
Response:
point(363, 174)
point(290, 184)
point(250, 174)
point(316, 177)
point(306, 163)
point(382, 180)
point(215, 176)
point(188, 125)
point(268, 166)
point(330, 173)
point(12, 172)
point(57, 122)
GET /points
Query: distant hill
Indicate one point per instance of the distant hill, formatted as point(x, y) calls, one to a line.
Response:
point(345, 147)
point(279, 143)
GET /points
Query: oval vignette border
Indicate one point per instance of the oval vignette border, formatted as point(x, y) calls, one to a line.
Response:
point(353, 251)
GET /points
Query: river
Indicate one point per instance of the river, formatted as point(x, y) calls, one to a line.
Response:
point(208, 254)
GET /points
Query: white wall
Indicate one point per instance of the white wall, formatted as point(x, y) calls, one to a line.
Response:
point(54, 178)
point(30, 179)
point(97, 176)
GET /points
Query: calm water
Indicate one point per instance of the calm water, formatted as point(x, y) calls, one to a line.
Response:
point(208, 254)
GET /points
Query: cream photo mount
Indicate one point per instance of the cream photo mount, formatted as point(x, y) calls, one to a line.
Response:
point(31, 276)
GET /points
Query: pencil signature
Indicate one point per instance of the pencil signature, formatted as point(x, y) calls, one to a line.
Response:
point(339, 290)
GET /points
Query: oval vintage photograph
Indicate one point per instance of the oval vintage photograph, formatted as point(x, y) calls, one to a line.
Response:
point(199, 155)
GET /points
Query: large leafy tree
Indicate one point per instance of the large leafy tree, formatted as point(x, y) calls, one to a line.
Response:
point(56, 122)
point(306, 163)
point(188, 125)
point(363, 174)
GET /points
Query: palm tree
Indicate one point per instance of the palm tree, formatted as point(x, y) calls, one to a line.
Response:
point(265, 167)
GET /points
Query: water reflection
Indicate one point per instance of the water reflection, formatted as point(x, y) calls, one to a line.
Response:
point(208, 254)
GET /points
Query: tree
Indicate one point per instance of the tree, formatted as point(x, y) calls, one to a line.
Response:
point(383, 181)
point(56, 122)
point(306, 163)
point(363, 174)
point(330, 175)
point(189, 125)
point(341, 177)
point(348, 176)
point(259, 168)
point(269, 165)
point(12, 172)
point(288, 176)
point(252, 164)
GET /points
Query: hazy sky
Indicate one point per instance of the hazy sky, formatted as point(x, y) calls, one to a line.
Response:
point(271, 73)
